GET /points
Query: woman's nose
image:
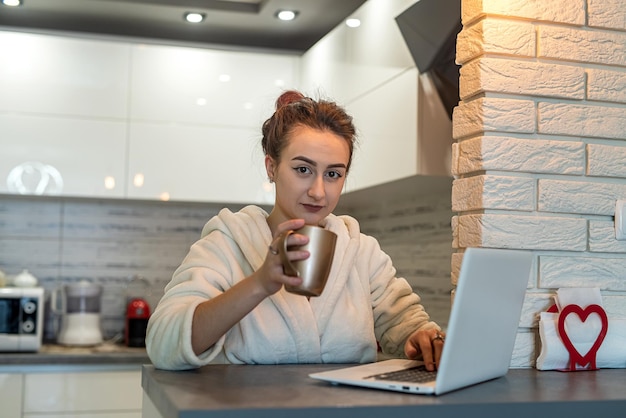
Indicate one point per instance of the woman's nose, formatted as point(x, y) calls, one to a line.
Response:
point(316, 190)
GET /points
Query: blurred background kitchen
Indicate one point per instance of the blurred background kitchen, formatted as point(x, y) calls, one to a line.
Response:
point(118, 147)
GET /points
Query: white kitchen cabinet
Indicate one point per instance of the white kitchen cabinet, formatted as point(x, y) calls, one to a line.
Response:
point(87, 394)
point(370, 70)
point(129, 120)
point(107, 414)
point(197, 163)
point(196, 117)
point(349, 62)
point(64, 76)
point(149, 409)
point(207, 87)
point(62, 110)
point(11, 394)
point(50, 155)
point(96, 115)
point(388, 142)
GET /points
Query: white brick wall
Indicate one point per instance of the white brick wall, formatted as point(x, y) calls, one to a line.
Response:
point(540, 157)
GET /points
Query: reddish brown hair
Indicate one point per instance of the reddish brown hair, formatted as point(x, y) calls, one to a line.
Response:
point(293, 109)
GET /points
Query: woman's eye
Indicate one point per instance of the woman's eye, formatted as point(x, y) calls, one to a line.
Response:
point(334, 175)
point(303, 170)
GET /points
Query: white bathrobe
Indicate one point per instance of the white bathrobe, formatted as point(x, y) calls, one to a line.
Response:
point(363, 302)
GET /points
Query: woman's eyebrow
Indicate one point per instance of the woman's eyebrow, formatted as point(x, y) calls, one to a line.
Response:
point(338, 165)
point(313, 163)
point(305, 159)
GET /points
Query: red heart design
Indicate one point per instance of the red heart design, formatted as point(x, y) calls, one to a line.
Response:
point(574, 355)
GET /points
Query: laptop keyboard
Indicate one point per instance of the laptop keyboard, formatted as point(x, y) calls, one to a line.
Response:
point(417, 374)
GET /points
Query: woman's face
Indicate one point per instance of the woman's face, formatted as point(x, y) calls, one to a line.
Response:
point(310, 176)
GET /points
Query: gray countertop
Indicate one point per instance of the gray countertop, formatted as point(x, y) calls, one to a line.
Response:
point(102, 354)
point(287, 391)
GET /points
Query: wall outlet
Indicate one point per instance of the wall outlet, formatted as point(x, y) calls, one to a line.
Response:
point(620, 220)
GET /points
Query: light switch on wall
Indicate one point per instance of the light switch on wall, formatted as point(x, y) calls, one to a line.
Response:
point(620, 220)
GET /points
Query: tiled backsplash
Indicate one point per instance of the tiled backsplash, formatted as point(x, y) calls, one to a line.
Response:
point(411, 220)
point(110, 242)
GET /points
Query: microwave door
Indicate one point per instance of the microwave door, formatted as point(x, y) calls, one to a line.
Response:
point(10, 316)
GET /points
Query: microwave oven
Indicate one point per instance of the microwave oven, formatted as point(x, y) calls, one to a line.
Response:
point(21, 318)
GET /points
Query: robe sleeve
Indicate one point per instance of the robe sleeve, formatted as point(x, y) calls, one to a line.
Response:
point(397, 310)
point(202, 275)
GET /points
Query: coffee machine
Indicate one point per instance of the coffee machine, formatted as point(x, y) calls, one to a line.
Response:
point(137, 311)
point(137, 315)
point(80, 313)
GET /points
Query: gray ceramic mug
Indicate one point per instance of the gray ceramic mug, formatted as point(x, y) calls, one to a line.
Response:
point(315, 269)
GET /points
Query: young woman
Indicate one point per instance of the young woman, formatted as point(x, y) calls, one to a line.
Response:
point(226, 303)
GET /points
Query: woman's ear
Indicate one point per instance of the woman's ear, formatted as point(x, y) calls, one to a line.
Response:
point(270, 168)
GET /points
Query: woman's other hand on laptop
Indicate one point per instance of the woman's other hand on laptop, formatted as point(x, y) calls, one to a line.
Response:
point(426, 345)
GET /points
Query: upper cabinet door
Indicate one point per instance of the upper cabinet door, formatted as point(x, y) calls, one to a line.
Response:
point(86, 117)
point(207, 87)
point(197, 163)
point(44, 155)
point(370, 69)
point(349, 62)
point(63, 76)
point(195, 122)
point(62, 115)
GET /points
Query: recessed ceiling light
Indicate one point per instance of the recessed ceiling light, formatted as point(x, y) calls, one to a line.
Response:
point(193, 17)
point(12, 2)
point(286, 14)
point(353, 23)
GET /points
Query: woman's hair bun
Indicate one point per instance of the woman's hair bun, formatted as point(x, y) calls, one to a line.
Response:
point(288, 97)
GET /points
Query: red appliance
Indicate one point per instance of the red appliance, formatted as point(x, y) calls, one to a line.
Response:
point(137, 315)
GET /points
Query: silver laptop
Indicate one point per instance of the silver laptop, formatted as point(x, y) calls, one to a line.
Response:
point(480, 336)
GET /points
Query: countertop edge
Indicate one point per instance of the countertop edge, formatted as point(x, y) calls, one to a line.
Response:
point(523, 392)
point(54, 355)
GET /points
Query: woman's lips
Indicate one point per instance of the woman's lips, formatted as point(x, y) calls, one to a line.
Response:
point(312, 208)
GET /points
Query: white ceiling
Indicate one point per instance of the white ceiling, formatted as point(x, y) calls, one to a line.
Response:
point(248, 24)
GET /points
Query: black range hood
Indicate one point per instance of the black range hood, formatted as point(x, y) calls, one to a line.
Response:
point(430, 28)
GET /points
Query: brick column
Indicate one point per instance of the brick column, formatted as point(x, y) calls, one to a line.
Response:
point(540, 157)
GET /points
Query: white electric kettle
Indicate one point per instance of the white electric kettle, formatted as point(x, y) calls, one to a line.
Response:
point(80, 313)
